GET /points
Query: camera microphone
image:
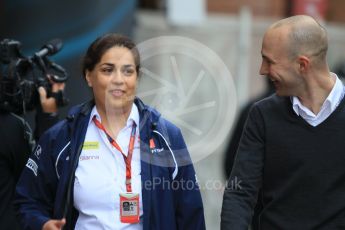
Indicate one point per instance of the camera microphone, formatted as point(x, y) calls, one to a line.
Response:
point(50, 48)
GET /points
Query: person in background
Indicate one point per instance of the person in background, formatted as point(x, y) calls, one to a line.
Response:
point(114, 163)
point(230, 151)
point(340, 70)
point(292, 146)
point(17, 142)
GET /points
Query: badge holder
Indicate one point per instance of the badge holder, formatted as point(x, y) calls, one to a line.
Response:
point(129, 208)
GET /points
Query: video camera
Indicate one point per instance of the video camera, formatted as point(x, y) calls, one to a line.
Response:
point(21, 76)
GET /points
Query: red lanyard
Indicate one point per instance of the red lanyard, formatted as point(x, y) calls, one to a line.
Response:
point(128, 158)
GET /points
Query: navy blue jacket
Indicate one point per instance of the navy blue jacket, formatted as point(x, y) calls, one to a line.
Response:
point(45, 189)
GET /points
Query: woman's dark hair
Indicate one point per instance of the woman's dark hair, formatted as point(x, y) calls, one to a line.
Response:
point(100, 46)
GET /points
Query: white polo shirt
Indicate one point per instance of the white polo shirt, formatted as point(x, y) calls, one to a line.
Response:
point(329, 105)
point(101, 174)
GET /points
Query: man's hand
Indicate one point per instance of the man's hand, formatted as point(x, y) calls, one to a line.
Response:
point(49, 104)
point(54, 224)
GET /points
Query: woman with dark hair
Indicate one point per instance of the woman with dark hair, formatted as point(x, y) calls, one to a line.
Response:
point(92, 171)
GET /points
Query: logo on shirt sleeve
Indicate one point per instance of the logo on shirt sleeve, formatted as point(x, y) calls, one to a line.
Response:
point(31, 164)
point(38, 152)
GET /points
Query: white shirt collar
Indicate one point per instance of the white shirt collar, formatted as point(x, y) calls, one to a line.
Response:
point(337, 93)
point(332, 101)
point(133, 116)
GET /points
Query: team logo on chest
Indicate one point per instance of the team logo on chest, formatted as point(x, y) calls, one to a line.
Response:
point(90, 145)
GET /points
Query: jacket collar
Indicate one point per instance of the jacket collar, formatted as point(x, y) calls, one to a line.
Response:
point(145, 112)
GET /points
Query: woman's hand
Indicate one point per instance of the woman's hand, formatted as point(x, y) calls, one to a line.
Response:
point(54, 224)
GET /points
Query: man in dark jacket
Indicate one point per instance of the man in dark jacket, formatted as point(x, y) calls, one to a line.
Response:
point(17, 142)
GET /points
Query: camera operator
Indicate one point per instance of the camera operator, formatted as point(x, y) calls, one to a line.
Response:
point(17, 143)
point(26, 84)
